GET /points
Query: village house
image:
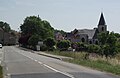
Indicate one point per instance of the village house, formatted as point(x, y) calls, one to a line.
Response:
point(59, 36)
point(7, 38)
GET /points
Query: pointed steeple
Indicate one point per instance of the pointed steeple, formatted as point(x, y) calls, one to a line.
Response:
point(102, 20)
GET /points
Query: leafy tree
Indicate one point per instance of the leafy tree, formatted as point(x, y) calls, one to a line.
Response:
point(30, 25)
point(102, 37)
point(33, 40)
point(63, 45)
point(109, 51)
point(118, 47)
point(61, 31)
point(36, 28)
point(24, 40)
point(48, 30)
point(49, 42)
point(111, 39)
point(108, 44)
point(5, 26)
point(34, 25)
point(117, 35)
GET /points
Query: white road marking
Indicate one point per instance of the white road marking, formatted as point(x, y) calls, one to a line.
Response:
point(36, 60)
point(6, 68)
point(64, 73)
point(40, 62)
point(50, 68)
point(8, 76)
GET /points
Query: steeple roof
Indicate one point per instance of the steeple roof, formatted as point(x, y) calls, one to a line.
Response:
point(102, 20)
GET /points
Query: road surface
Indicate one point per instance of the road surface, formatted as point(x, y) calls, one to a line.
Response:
point(18, 63)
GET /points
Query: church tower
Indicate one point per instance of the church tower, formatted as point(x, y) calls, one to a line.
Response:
point(102, 27)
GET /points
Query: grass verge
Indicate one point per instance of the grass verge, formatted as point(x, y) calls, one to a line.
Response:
point(1, 73)
point(79, 58)
point(99, 65)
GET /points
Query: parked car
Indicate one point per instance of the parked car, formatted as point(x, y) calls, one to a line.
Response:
point(0, 45)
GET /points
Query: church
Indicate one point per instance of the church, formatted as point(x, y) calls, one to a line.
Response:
point(87, 35)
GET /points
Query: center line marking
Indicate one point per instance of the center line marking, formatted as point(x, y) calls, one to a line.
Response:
point(64, 73)
point(6, 68)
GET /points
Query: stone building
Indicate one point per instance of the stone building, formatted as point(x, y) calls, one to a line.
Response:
point(87, 35)
point(7, 38)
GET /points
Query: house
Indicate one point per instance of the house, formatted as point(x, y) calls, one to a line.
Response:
point(1, 35)
point(59, 36)
point(87, 35)
point(7, 38)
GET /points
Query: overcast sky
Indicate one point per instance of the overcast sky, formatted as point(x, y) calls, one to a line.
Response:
point(62, 14)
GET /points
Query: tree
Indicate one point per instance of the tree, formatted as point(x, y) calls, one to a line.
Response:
point(117, 35)
point(23, 40)
point(34, 25)
point(118, 47)
point(5, 26)
point(108, 44)
point(63, 45)
point(61, 31)
point(102, 37)
point(49, 42)
point(33, 40)
point(111, 39)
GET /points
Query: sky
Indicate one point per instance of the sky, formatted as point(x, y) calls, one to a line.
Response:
point(62, 14)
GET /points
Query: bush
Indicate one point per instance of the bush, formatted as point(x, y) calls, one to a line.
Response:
point(92, 48)
point(50, 42)
point(63, 45)
point(43, 48)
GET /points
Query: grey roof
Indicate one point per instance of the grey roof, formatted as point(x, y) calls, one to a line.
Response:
point(1, 29)
point(102, 20)
point(89, 32)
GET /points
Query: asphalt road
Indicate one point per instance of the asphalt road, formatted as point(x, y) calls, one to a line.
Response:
point(24, 64)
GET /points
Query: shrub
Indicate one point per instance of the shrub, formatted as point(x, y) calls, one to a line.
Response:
point(92, 48)
point(43, 48)
point(50, 42)
point(63, 45)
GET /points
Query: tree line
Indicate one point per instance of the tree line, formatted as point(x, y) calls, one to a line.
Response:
point(35, 29)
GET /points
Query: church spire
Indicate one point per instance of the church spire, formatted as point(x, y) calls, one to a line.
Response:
point(102, 20)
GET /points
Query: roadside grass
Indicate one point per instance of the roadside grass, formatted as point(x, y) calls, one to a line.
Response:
point(99, 65)
point(76, 55)
point(80, 59)
point(1, 73)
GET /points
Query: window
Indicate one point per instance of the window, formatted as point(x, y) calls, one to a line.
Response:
point(96, 42)
point(90, 42)
point(102, 28)
point(83, 40)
